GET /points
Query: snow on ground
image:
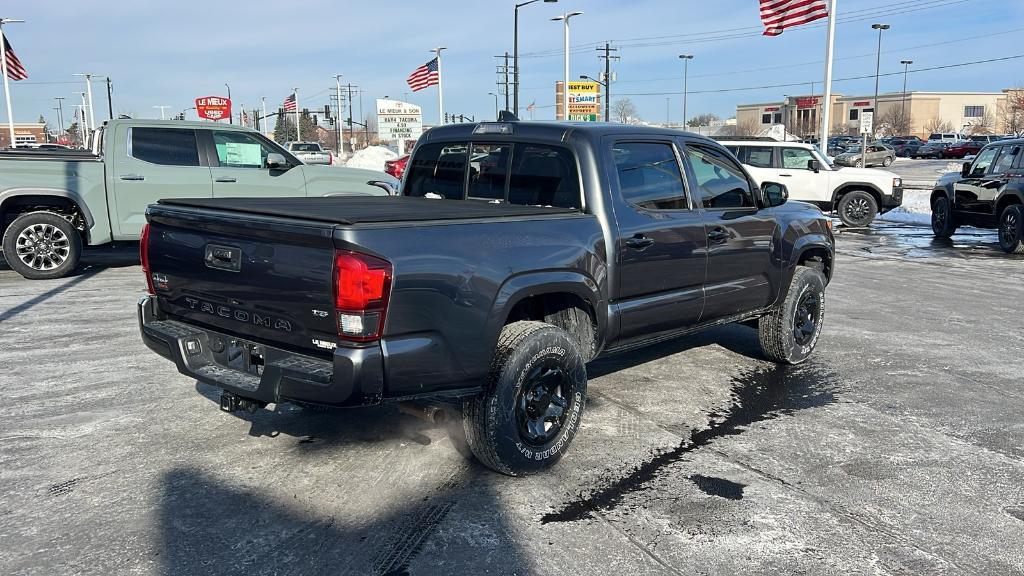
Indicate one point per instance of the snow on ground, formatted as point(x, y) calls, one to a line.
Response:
point(915, 209)
point(371, 158)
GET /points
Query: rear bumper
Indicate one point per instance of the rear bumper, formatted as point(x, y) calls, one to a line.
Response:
point(355, 376)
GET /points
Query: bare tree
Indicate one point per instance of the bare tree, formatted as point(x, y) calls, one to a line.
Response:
point(624, 111)
point(748, 127)
point(938, 125)
point(1012, 116)
point(704, 119)
point(984, 125)
point(894, 122)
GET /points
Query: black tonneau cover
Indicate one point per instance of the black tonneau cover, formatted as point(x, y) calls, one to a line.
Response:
point(366, 209)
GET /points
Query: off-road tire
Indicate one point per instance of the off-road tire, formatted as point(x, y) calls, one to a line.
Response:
point(491, 420)
point(944, 225)
point(69, 248)
point(1011, 229)
point(577, 323)
point(857, 209)
point(777, 331)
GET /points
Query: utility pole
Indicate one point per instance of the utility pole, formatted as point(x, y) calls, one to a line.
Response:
point(506, 82)
point(60, 114)
point(230, 118)
point(608, 78)
point(110, 100)
point(337, 123)
point(351, 127)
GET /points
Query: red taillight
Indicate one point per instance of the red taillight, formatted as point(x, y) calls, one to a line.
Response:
point(144, 258)
point(362, 285)
point(330, 159)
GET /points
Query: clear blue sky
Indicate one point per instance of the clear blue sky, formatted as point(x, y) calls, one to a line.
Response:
point(169, 53)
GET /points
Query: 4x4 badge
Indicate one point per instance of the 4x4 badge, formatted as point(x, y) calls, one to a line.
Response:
point(319, 313)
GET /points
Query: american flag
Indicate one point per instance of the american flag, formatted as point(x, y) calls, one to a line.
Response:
point(424, 76)
point(15, 71)
point(777, 15)
point(289, 103)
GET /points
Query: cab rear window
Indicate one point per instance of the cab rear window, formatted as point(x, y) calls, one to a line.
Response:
point(520, 173)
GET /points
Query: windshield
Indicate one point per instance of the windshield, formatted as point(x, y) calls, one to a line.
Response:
point(853, 150)
point(306, 148)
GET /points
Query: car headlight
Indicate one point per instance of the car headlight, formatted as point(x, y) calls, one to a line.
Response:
point(897, 182)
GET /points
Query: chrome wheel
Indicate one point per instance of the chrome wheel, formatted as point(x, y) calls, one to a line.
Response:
point(42, 247)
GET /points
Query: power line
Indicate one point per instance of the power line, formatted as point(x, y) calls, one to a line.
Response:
point(768, 86)
point(756, 31)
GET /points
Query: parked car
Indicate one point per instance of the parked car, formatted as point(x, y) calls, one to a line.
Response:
point(988, 194)
point(947, 137)
point(837, 145)
point(986, 138)
point(961, 149)
point(878, 154)
point(930, 150)
point(51, 146)
point(310, 153)
point(54, 202)
point(397, 167)
point(489, 284)
point(856, 194)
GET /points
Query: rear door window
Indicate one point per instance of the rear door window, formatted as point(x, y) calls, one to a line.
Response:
point(649, 175)
point(544, 176)
point(438, 171)
point(1005, 160)
point(164, 146)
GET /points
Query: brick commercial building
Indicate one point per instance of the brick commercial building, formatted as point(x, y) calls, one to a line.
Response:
point(24, 134)
point(913, 113)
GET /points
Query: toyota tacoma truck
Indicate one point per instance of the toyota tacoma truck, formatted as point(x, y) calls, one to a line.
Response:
point(856, 194)
point(52, 203)
point(515, 253)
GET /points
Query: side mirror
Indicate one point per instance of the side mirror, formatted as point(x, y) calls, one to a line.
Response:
point(276, 161)
point(965, 171)
point(814, 165)
point(775, 194)
point(386, 186)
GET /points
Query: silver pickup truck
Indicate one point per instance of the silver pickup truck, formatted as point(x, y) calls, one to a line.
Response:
point(310, 153)
point(52, 203)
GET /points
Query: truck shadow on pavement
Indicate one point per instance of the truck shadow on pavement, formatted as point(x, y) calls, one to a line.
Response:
point(346, 525)
point(95, 258)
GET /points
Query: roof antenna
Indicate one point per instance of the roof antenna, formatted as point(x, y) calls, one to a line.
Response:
point(506, 116)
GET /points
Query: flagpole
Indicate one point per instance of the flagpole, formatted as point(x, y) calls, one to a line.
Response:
point(7, 86)
point(826, 105)
point(440, 86)
point(298, 129)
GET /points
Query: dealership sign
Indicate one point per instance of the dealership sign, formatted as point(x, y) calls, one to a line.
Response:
point(213, 107)
point(398, 120)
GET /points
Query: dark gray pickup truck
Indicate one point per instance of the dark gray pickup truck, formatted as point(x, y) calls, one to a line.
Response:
point(516, 253)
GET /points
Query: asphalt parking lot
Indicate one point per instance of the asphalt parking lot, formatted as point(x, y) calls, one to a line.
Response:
point(899, 449)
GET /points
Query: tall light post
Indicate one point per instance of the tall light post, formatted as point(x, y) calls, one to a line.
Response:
point(231, 120)
point(564, 18)
point(878, 64)
point(495, 104)
point(515, 54)
point(163, 115)
point(85, 119)
point(88, 91)
point(903, 106)
point(686, 73)
point(263, 118)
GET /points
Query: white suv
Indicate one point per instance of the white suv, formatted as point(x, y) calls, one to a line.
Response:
point(857, 194)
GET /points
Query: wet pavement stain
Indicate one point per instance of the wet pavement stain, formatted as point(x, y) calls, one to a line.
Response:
point(757, 395)
point(713, 486)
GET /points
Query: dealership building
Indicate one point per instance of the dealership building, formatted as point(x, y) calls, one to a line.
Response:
point(968, 112)
point(25, 134)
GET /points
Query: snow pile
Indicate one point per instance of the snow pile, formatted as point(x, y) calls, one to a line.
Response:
point(914, 210)
point(372, 158)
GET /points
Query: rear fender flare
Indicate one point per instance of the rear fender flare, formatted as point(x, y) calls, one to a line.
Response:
point(71, 195)
point(518, 288)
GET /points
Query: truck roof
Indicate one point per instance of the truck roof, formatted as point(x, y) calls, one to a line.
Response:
point(201, 124)
point(551, 131)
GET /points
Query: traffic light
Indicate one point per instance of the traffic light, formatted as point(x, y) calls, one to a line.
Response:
point(314, 119)
point(327, 110)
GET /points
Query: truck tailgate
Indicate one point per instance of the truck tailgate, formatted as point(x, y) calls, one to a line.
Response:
point(261, 278)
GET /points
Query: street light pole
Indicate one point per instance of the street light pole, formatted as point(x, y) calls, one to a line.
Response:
point(878, 64)
point(496, 104)
point(686, 73)
point(564, 18)
point(85, 121)
point(263, 119)
point(515, 54)
point(231, 120)
point(88, 91)
point(162, 109)
point(903, 106)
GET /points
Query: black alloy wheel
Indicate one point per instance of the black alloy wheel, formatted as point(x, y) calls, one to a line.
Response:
point(542, 402)
point(805, 318)
point(1011, 229)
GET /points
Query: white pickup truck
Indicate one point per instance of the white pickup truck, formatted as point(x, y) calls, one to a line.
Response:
point(856, 194)
point(310, 153)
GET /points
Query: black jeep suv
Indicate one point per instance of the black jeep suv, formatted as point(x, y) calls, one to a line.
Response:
point(988, 194)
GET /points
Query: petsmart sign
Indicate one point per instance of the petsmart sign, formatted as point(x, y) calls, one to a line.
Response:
point(398, 120)
point(584, 101)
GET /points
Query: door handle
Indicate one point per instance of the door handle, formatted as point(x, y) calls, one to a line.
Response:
point(639, 242)
point(225, 179)
point(718, 235)
point(135, 177)
point(786, 175)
